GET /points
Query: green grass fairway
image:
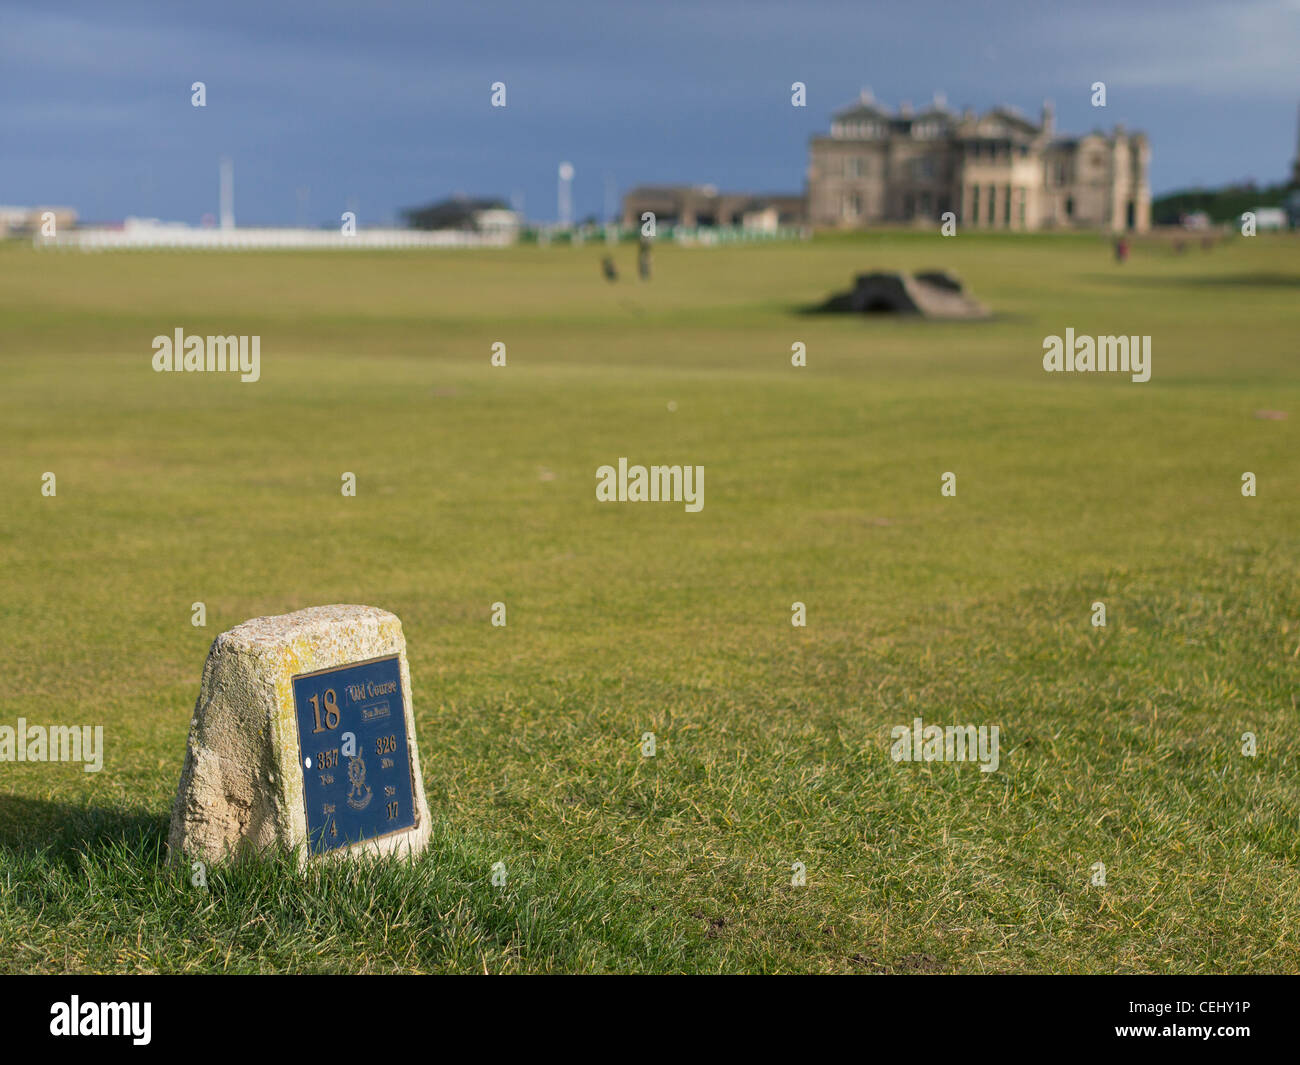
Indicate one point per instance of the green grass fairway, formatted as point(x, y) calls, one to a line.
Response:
point(1119, 745)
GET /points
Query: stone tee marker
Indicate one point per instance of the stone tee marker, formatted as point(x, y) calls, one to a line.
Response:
point(303, 738)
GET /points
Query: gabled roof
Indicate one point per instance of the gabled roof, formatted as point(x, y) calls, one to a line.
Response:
point(1014, 119)
point(861, 110)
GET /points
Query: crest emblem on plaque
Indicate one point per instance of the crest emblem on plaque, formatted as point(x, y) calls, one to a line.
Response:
point(360, 794)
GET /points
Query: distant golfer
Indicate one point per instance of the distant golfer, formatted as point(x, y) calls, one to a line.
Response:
point(609, 269)
point(643, 259)
point(1121, 250)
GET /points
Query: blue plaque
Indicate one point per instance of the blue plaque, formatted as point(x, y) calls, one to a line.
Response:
point(356, 796)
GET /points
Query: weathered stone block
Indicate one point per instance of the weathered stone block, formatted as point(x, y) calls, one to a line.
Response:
point(268, 763)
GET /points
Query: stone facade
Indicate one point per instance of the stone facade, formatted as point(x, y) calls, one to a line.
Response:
point(997, 171)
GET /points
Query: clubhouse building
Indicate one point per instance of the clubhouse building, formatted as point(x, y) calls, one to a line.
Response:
point(999, 170)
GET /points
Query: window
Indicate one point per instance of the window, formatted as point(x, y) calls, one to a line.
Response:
point(975, 205)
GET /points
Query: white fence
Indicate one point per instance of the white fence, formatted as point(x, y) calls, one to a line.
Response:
point(147, 234)
point(171, 236)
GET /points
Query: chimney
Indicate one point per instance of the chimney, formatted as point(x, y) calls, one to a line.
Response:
point(905, 109)
point(1049, 118)
point(865, 95)
point(940, 101)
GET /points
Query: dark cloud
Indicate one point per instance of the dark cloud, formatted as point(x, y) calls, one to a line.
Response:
point(383, 105)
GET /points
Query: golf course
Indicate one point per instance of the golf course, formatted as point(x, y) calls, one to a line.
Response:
point(1125, 829)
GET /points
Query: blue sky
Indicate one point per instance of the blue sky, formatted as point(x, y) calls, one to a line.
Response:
point(380, 105)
